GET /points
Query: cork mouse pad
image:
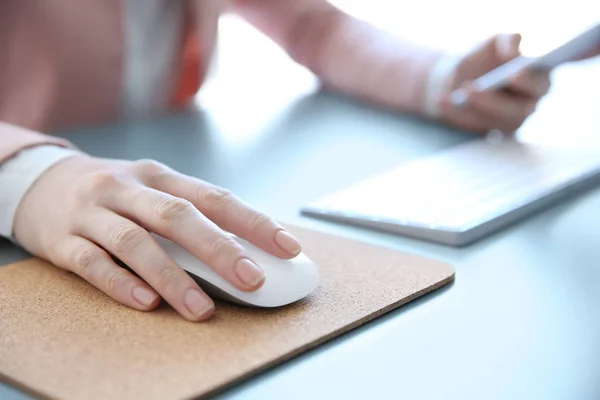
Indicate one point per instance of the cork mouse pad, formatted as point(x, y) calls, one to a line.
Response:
point(62, 338)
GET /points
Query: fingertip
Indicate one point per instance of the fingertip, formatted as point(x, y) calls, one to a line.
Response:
point(249, 275)
point(287, 243)
point(251, 288)
point(198, 305)
point(258, 285)
point(516, 38)
point(201, 318)
point(145, 297)
point(508, 45)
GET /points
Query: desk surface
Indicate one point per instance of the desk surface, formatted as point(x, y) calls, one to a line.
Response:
point(522, 319)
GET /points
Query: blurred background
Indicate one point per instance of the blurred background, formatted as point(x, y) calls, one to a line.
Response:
point(454, 26)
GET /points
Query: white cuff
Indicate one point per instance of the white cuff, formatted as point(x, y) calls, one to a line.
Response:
point(440, 79)
point(18, 174)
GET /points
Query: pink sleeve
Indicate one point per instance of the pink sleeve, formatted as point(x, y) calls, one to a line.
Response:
point(13, 139)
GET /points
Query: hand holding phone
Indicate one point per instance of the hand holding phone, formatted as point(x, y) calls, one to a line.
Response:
point(498, 78)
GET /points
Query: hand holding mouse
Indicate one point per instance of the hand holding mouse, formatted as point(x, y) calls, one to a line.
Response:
point(85, 209)
point(503, 110)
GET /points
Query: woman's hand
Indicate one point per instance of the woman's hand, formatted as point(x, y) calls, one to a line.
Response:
point(504, 110)
point(85, 209)
point(595, 52)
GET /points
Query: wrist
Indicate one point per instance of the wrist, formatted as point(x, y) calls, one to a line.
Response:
point(439, 82)
point(19, 173)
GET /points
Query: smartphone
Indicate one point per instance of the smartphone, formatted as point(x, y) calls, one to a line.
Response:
point(567, 52)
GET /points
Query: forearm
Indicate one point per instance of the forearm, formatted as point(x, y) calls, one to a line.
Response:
point(14, 139)
point(347, 54)
point(365, 62)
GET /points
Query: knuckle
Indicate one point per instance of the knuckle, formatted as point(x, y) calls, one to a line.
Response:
point(126, 238)
point(169, 276)
point(259, 219)
point(150, 166)
point(174, 209)
point(215, 197)
point(221, 244)
point(101, 181)
point(85, 260)
point(115, 278)
point(150, 169)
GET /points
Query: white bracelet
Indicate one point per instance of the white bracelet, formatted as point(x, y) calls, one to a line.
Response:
point(18, 174)
point(439, 81)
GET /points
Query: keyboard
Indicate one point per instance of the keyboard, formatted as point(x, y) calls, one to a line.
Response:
point(465, 193)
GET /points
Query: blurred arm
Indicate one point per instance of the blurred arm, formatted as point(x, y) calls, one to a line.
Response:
point(347, 54)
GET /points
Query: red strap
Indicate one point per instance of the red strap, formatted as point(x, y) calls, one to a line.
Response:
point(189, 79)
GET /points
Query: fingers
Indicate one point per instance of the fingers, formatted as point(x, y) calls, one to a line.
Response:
point(594, 52)
point(484, 111)
point(493, 52)
point(462, 117)
point(178, 220)
point(135, 247)
point(94, 265)
point(501, 111)
point(227, 211)
point(532, 84)
point(504, 110)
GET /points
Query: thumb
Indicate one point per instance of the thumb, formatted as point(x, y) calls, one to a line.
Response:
point(507, 46)
point(493, 52)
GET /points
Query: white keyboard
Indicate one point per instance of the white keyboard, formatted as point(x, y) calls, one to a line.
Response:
point(462, 194)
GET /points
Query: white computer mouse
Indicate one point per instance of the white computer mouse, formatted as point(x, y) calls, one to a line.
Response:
point(287, 281)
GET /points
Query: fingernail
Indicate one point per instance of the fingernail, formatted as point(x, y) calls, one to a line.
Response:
point(143, 296)
point(196, 303)
point(287, 242)
point(249, 273)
